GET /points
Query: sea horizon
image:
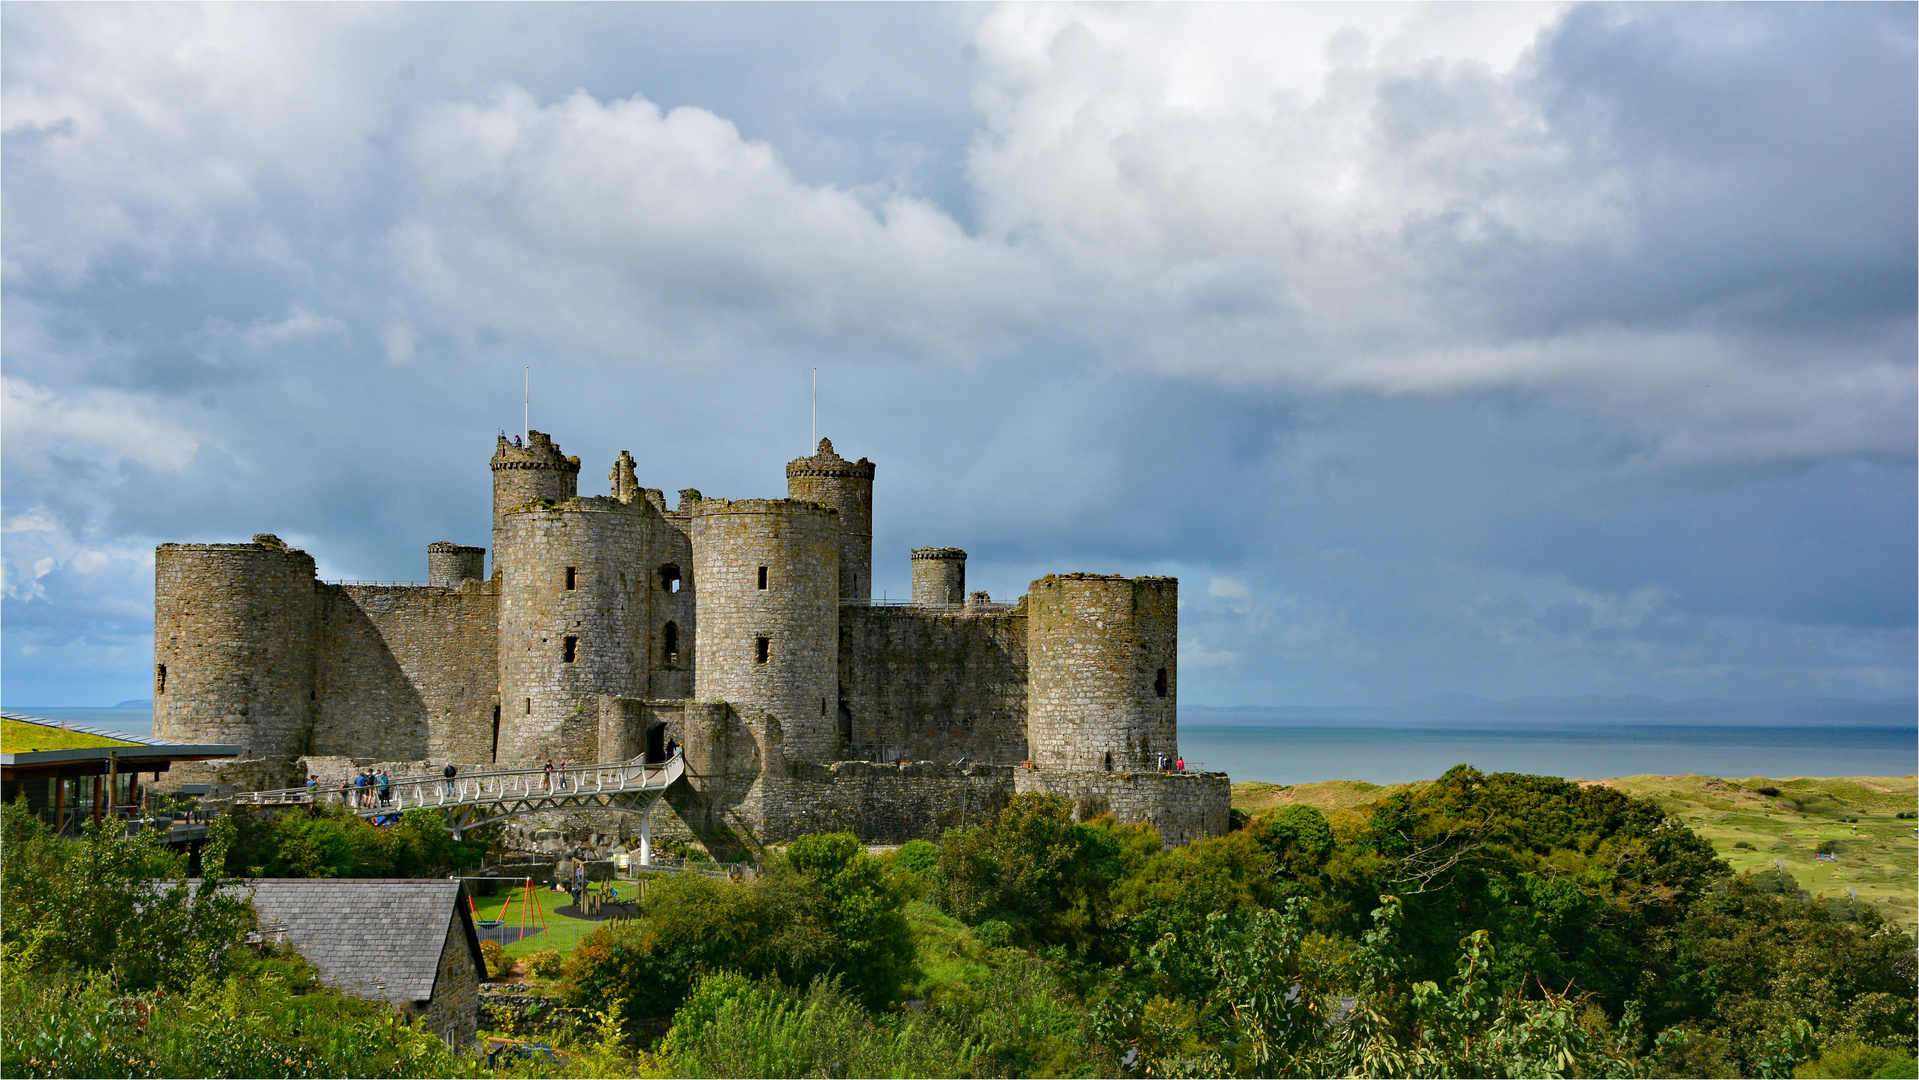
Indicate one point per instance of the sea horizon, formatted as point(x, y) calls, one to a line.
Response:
point(1578, 738)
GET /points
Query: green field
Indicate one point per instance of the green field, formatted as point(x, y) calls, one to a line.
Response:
point(1879, 856)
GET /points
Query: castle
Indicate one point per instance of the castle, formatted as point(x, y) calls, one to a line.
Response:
point(745, 631)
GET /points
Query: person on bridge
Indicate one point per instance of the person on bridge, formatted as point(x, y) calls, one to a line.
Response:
point(386, 787)
point(450, 772)
point(672, 748)
point(549, 774)
point(562, 774)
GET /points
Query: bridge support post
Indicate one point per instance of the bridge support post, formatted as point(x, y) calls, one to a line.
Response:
point(646, 834)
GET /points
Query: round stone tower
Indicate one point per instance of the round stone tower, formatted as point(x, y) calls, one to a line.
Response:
point(573, 623)
point(529, 474)
point(939, 576)
point(233, 658)
point(846, 486)
point(1102, 655)
point(448, 564)
point(768, 612)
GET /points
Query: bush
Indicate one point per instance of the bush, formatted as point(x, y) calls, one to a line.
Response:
point(1741, 845)
point(545, 964)
point(1768, 792)
point(1828, 847)
point(494, 954)
point(1853, 1058)
point(921, 857)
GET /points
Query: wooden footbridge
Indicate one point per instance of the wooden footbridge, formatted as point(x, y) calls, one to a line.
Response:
point(482, 797)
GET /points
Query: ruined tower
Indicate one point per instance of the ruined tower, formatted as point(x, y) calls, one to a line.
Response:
point(448, 564)
point(939, 576)
point(846, 486)
point(529, 474)
point(1102, 652)
point(233, 648)
point(573, 621)
point(768, 602)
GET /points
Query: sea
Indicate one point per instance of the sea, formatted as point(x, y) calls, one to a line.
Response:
point(1587, 738)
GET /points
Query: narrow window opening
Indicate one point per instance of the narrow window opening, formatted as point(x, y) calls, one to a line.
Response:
point(160, 679)
point(762, 648)
point(1159, 683)
point(529, 706)
point(670, 578)
point(572, 649)
point(1109, 761)
point(762, 577)
point(313, 695)
point(670, 643)
point(496, 733)
point(572, 577)
point(822, 706)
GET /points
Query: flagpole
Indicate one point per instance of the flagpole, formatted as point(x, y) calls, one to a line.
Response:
point(816, 407)
point(526, 405)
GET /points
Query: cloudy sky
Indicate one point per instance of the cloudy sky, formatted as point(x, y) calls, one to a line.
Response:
point(1504, 350)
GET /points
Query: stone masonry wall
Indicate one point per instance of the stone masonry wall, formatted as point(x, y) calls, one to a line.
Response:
point(1102, 671)
point(884, 804)
point(528, 474)
point(599, 547)
point(939, 576)
point(454, 1012)
point(233, 646)
point(793, 548)
point(846, 486)
point(407, 672)
point(1183, 806)
point(933, 685)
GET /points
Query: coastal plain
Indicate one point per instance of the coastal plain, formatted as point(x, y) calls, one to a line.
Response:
point(1871, 849)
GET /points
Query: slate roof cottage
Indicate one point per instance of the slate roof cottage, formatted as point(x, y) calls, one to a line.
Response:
point(407, 941)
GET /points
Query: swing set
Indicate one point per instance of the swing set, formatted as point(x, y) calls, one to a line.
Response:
point(529, 902)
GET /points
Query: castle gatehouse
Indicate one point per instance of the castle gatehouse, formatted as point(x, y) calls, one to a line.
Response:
point(743, 630)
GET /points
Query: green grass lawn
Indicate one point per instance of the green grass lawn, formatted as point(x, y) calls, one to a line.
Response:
point(561, 933)
point(1879, 858)
point(20, 737)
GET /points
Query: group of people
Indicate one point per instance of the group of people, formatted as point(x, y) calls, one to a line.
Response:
point(1166, 765)
point(550, 778)
point(369, 790)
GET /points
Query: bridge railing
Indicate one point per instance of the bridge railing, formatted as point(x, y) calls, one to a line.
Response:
point(486, 785)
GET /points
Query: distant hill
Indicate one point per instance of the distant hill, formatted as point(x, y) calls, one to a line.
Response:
point(136, 703)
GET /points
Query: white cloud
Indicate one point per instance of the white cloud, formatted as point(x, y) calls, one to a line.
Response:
point(109, 426)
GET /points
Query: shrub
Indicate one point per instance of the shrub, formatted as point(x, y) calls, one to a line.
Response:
point(920, 857)
point(1853, 1058)
point(1741, 845)
point(1828, 847)
point(545, 964)
point(1768, 792)
point(494, 954)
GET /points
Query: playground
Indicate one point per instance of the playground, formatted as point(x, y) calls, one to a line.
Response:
point(526, 916)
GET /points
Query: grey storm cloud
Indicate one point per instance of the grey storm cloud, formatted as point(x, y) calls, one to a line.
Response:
point(1453, 348)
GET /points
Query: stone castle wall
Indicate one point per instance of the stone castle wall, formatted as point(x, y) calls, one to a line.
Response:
point(885, 804)
point(933, 685)
point(233, 646)
point(846, 486)
point(1184, 807)
point(528, 474)
point(574, 618)
point(769, 615)
point(1102, 671)
point(939, 576)
point(407, 671)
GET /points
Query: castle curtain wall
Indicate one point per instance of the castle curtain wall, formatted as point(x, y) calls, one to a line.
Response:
point(933, 686)
point(406, 671)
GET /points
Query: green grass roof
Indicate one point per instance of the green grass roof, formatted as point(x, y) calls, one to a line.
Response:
point(22, 737)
